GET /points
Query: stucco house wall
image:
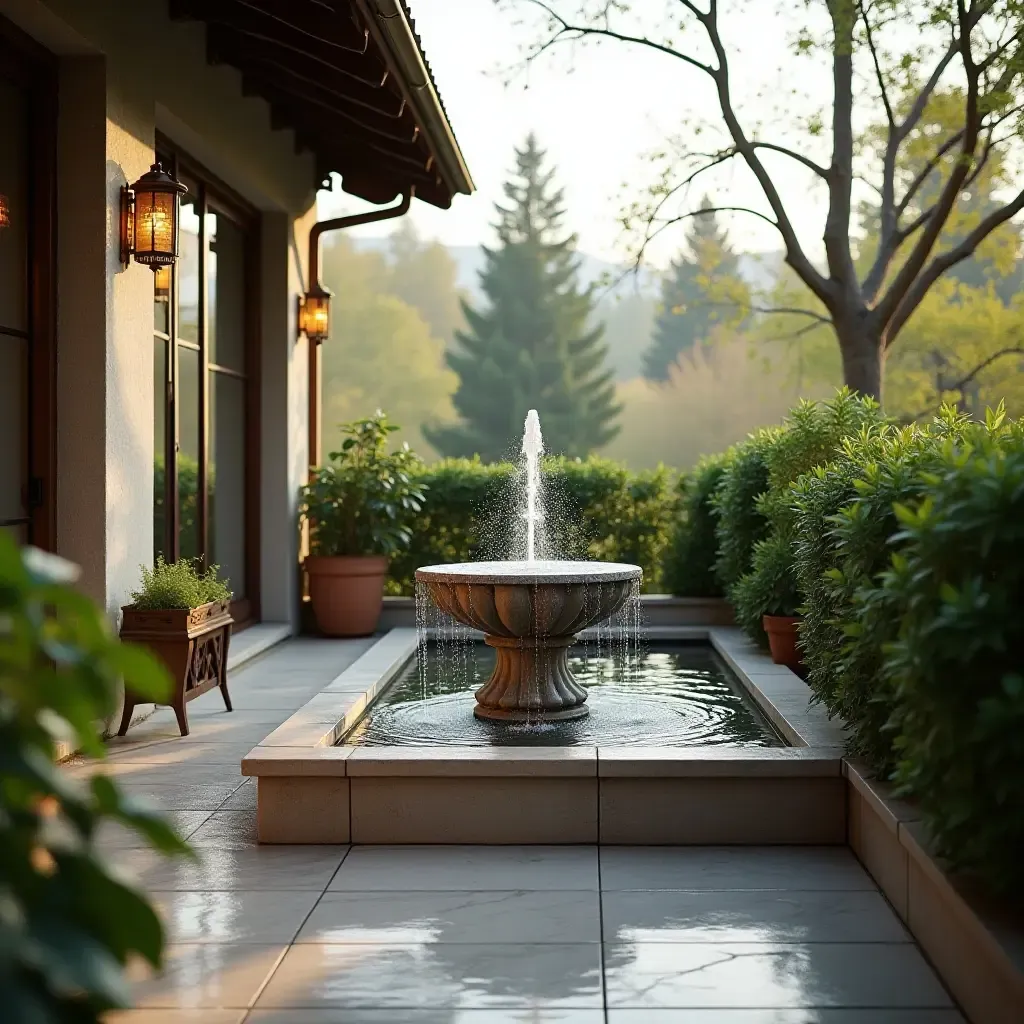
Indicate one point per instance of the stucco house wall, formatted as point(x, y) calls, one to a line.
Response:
point(114, 60)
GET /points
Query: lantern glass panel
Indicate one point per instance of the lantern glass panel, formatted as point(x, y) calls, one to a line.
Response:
point(317, 315)
point(154, 227)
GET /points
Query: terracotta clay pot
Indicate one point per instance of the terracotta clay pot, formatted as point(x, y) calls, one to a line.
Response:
point(347, 594)
point(782, 635)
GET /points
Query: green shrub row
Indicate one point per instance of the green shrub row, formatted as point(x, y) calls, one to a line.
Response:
point(595, 509)
point(902, 550)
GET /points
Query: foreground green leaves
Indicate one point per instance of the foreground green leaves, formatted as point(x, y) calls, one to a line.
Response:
point(67, 925)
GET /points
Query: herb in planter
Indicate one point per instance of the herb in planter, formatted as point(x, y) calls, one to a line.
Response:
point(178, 585)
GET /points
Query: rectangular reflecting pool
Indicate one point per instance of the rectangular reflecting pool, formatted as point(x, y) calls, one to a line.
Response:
point(672, 695)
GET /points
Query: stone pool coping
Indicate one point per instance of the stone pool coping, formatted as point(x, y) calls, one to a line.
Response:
point(305, 743)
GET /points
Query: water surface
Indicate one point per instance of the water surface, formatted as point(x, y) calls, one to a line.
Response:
point(678, 695)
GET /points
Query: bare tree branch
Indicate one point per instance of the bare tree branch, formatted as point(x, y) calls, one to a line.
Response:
point(912, 267)
point(569, 32)
point(799, 157)
point(880, 78)
point(795, 255)
point(944, 261)
point(818, 318)
point(958, 385)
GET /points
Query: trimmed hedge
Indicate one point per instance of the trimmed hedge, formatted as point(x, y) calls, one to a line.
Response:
point(595, 508)
point(810, 435)
point(903, 549)
point(956, 670)
point(690, 555)
point(845, 529)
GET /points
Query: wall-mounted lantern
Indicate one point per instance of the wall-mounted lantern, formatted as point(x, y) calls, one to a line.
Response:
point(5, 212)
point(315, 314)
point(149, 219)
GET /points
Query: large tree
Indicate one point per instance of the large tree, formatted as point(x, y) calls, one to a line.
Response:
point(892, 55)
point(702, 290)
point(382, 353)
point(530, 346)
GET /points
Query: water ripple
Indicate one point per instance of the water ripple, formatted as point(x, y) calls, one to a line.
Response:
point(681, 696)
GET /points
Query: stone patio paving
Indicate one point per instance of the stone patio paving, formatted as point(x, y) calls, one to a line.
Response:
point(484, 935)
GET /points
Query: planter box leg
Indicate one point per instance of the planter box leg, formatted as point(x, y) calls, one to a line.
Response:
point(126, 714)
point(179, 667)
point(223, 684)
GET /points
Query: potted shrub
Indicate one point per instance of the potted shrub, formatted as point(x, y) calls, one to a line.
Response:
point(767, 599)
point(358, 507)
point(183, 616)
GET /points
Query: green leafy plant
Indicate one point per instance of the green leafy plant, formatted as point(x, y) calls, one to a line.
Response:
point(740, 522)
point(845, 528)
point(956, 668)
point(179, 584)
point(811, 435)
point(366, 499)
point(67, 926)
point(692, 546)
point(770, 587)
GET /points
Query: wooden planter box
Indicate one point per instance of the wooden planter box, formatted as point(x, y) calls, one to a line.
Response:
point(192, 643)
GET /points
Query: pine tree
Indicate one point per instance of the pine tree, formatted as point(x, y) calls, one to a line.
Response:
point(701, 290)
point(532, 346)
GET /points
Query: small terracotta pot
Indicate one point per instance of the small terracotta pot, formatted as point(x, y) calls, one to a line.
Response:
point(782, 635)
point(347, 594)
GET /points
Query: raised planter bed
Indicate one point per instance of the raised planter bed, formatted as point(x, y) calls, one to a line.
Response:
point(976, 945)
point(191, 642)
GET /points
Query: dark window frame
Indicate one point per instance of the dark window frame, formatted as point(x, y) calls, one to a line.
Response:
point(34, 69)
point(217, 197)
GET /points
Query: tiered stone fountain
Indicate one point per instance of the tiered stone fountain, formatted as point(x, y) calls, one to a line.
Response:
point(530, 612)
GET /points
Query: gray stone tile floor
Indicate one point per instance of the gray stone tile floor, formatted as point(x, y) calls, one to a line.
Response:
point(482, 935)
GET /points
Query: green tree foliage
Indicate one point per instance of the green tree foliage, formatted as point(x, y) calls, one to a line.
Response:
point(382, 352)
point(423, 275)
point(68, 927)
point(530, 347)
point(701, 290)
point(879, 55)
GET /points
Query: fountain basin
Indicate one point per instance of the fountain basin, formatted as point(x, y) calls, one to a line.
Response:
point(530, 613)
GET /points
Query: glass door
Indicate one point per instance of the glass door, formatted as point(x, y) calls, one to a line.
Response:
point(205, 410)
point(26, 306)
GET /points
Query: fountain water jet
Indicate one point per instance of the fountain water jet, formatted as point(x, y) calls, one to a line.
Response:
point(530, 612)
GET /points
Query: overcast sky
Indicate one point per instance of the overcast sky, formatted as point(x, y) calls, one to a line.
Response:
point(599, 111)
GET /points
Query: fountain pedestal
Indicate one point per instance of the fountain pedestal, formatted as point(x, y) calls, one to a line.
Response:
point(530, 613)
point(531, 681)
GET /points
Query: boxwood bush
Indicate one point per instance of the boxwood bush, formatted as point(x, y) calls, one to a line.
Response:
point(956, 669)
point(811, 435)
point(740, 523)
point(845, 527)
point(596, 508)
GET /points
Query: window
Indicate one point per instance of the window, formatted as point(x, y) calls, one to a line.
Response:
point(27, 458)
point(205, 399)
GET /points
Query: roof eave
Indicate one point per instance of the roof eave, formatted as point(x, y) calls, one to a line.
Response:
point(389, 24)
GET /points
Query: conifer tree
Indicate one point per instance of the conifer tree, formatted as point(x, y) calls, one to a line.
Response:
point(531, 346)
point(701, 290)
